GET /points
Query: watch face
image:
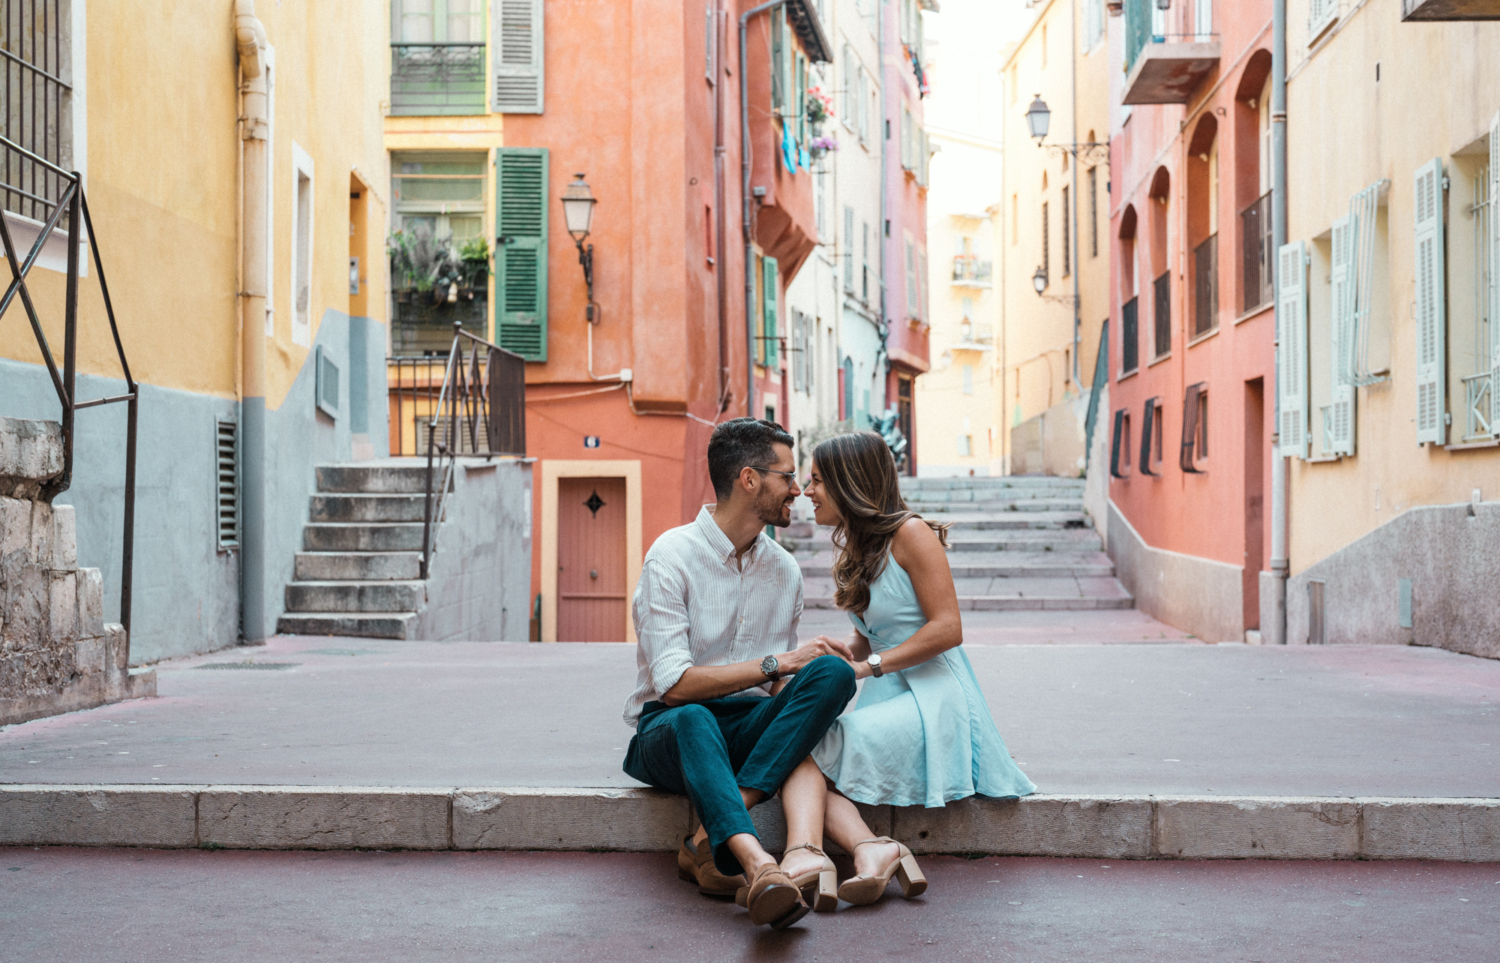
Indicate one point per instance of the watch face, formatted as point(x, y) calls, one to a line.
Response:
point(769, 664)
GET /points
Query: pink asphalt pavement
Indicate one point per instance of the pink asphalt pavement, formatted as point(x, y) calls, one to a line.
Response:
point(1171, 717)
point(122, 906)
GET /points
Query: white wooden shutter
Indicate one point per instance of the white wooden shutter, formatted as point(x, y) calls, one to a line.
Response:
point(1430, 302)
point(1494, 291)
point(516, 54)
point(1291, 353)
point(1341, 395)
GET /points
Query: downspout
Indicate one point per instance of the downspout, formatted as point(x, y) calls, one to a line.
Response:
point(745, 202)
point(250, 39)
point(882, 358)
point(1077, 304)
point(1279, 561)
point(721, 263)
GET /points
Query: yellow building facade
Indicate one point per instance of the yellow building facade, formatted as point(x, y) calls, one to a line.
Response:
point(149, 108)
point(1388, 306)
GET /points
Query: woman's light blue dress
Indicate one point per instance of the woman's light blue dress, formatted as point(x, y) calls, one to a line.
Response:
point(922, 736)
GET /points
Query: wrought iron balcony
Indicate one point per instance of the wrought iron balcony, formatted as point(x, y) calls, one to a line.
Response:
point(1477, 390)
point(1256, 243)
point(432, 79)
point(969, 271)
point(1206, 286)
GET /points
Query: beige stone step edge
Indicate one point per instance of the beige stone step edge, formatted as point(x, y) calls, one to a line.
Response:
point(641, 820)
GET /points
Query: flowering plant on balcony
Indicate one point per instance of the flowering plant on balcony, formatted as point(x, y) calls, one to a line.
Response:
point(819, 105)
point(822, 145)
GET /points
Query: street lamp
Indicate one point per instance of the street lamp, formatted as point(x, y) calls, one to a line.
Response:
point(1038, 117)
point(1039, 280)
point(578, 211)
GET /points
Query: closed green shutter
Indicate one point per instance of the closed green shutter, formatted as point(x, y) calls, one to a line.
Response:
point(772, 344)
point(521, 251)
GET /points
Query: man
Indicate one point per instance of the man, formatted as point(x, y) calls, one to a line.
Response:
point(726, 703)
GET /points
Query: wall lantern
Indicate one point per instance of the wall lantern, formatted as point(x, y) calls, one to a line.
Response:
point(1039, 118)
point(1039, 280)
point(578, 211)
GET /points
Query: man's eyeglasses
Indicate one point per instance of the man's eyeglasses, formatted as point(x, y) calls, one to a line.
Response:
point(790, 476)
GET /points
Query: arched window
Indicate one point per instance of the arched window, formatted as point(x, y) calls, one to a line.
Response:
point(1203, 224)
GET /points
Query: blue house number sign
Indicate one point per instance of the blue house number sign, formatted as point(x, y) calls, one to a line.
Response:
point(591, 441)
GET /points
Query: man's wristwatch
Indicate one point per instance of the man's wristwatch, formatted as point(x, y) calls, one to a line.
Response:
point(875, 668)
point(771, 667)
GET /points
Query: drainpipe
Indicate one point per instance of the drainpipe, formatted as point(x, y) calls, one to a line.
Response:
point(1279, 562)
point(745, 202)
point(1073, 159)
point(250, 39)
point(721, 263)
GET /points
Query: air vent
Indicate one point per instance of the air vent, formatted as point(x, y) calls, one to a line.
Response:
point(328, 384)
point(227, 487)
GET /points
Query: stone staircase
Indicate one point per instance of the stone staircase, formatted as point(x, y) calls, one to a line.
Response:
point(359, 571)
point(1016, 543)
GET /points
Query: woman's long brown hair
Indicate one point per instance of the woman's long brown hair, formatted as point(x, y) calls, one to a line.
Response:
point(859, 476)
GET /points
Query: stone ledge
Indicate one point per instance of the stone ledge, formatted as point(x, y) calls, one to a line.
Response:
point(643, 820)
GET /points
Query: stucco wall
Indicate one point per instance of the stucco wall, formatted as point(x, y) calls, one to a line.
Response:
point(1199, 595)
point(1451, 553)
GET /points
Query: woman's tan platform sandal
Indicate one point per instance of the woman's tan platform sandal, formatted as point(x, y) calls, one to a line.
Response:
point(863, 890)
point(819, 887)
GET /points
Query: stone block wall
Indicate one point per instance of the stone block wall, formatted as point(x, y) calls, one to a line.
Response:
point(56, 652)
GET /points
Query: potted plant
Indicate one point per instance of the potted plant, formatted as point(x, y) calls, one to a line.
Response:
point(821, 146)
point(819, 107)
point(473, 266)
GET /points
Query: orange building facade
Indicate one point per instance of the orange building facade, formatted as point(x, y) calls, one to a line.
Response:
point(1191, 318)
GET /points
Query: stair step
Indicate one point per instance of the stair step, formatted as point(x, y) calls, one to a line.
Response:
point(368, 508)
point(357, 566)
point(1018, 565)
point(355, 596)
point(1035, 505)
point(362, 537)
point(1018, 482)
point(1085, 540)
point(366, 625)
point(389, 479)
point(990, 603)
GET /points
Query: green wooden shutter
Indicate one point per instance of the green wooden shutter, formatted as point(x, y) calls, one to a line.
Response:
point(772, 344)
point(801, 105)
point(778, 61)
point(521, 251)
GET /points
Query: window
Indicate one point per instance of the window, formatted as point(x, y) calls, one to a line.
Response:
point(1067, 254)
point(1119, 454)
point(1046, 247)
point(1093, 212)
point(37, 92)
point(848, 251)
point(1161, 298)
point(965, 446)
point(922, 284)
point(778, 61)
point(1320, 13)
point(820, 196)
point(911, 278)
point(1465, 360)
point(1194, 429)
point(437, 57)
point(968, 379)
point(1093, 23)
point(710, 44)
point(302, 245)
point(851, 94)
point(864, 270)
point(438, 205)
point(1203, 20)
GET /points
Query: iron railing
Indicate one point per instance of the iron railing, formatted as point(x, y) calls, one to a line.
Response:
point(1161, 303)
point(1477, 390)
point(1130, 337)
point(968, 269)
point(433, 79)
point(1259, 254)
point(1206, 285)
point(73, 202)
point(479, 410)
point(37, 106)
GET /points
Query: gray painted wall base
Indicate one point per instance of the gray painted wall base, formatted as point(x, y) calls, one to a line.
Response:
point(1096, 481)
point(1451, 553)
point(1199, 595)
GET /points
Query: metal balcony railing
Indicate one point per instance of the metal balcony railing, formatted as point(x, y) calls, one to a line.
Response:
point(1477, 390)
point(969, 270)
point(1206, 285)
point(1130, 336)
point(1161, 298)
point(1256, 245)
point(432, 79)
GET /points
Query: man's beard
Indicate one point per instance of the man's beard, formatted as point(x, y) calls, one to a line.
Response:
point(773, 511)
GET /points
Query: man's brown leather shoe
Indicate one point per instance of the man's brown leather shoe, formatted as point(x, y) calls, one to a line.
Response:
point(698, 867)
point(773, 900)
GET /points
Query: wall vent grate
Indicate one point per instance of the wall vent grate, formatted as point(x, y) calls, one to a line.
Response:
point(227, 482)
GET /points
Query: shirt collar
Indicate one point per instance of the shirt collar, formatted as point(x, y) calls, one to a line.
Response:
point(722, 547)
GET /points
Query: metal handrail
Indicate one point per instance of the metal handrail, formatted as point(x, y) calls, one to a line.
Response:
point(463, 402)
point(65, 382)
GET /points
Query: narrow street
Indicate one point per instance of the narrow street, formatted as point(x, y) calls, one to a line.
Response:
point(122, 906)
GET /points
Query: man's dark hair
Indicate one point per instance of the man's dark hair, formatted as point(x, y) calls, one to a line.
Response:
point(739, 443)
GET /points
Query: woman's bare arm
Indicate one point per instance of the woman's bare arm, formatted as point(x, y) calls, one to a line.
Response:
point(916, 549)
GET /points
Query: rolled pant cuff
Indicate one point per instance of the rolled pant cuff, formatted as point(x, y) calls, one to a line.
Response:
point(718, 838)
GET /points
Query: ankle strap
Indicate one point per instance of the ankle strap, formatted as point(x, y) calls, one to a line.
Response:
point(877, 839)
point(808, 846)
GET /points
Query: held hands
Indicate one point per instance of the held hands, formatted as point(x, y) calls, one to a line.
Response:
point(797, 659)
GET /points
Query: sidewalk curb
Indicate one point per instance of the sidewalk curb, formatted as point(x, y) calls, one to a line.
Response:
point(643, 820)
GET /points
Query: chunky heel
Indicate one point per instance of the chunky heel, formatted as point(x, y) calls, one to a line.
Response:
point(913, 883)
point(824, 896)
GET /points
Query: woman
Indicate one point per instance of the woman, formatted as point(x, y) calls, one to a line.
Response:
point(920, 733)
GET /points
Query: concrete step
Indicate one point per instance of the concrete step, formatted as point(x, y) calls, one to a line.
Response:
point(1028, 592)
point(368, 508)
point(355, 596)
point(1029, 506)
point(803, 536)
point(365, 625)
point(996, 565)
point(395, 477)
point(357, 566)
point(1016, 482)
point(1072, 541)
point(362, 537)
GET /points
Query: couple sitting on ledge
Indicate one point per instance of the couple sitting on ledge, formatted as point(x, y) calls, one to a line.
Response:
point(729, 709)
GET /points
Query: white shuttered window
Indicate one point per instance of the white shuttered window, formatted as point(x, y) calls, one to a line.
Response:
point(516, 52)
point(1494, 278)
point(1339, 424)
point(1291, 353)
point(1430, 281)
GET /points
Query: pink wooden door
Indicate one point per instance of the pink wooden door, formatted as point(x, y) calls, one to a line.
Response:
point(591, 602)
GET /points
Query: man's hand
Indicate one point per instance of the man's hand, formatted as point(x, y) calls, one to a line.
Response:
point(798, 658)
